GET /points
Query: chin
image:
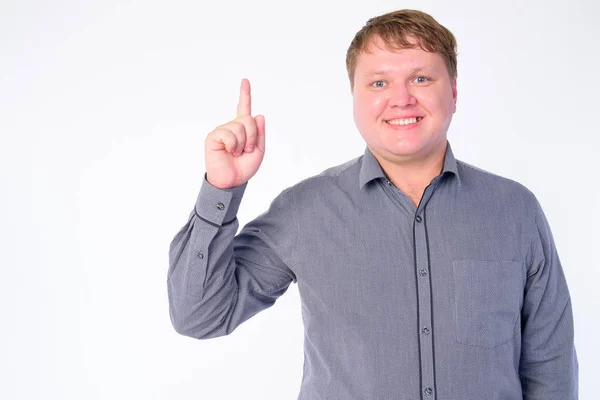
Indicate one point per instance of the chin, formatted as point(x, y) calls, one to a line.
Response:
point(405, 149)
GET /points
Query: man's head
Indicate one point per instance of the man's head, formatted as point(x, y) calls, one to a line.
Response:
point(402, 65)
point(395, 28)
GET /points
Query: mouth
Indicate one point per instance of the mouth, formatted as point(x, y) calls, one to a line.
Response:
point(404, 121)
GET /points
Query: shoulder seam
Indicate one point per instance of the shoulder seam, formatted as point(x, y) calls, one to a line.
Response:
point(467, 165)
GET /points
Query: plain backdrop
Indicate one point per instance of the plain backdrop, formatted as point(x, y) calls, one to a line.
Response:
point(104, 108)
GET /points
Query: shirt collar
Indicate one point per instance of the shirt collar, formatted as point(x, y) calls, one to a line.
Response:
point(371, 169)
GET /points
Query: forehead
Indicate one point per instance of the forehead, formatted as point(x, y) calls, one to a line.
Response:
point(377, 56)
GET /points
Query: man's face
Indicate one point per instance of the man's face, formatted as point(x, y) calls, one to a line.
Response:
point(393, 85)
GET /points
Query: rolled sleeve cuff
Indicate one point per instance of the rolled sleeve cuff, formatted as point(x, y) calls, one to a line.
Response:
point(218, 206)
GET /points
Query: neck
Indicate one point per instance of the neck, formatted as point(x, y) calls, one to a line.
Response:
point(412, 177)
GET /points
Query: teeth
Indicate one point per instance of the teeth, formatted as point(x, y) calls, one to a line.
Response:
point(404, 121)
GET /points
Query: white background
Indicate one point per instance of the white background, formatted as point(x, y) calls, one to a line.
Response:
point(104, 107)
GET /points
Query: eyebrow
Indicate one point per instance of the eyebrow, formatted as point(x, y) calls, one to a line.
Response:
point(384, 72)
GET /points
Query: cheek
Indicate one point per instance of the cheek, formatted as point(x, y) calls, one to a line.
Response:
point(440, 105)
point(368, 108)
point(378, 105)
point(447, 108)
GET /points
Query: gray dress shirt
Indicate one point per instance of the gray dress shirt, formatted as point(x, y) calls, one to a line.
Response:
point(460, 298)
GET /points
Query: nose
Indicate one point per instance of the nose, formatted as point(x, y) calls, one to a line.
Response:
point(401, 96)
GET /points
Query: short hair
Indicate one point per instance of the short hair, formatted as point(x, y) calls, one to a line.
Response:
point(394, 28)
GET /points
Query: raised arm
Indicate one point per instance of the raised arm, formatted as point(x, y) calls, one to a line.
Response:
point(217, 280)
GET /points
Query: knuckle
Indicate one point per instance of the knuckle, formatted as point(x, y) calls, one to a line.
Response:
point(236, 127)
point(227, 136)
point(215, 135)
point(232, 136)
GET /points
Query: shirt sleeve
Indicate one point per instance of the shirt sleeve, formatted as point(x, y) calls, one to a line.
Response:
point(217, 279)
point(548, 367)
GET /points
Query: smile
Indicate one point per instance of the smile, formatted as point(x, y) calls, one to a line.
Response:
point(406, 121)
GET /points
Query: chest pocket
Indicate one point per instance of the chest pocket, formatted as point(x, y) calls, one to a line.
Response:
point(487, 300)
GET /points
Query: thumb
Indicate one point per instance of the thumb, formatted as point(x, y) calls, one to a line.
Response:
point(260, 125)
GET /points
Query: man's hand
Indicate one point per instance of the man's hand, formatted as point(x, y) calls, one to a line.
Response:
point(234, 151)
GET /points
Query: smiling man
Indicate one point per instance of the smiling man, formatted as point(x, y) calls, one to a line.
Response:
point(403, 104)
point(420, 276)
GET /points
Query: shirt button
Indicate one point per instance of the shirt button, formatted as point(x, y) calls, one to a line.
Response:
point(418, 218)
point(200, 256)
point(428, 391)
point(423, 272)
point(425, 331)
point(389, 183)
point(220, 206)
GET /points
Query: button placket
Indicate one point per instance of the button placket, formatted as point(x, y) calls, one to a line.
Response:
point(424, 299)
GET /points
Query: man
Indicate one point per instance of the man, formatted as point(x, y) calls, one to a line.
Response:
point(420, 276)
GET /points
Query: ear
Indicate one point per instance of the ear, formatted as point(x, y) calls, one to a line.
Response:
point(454, 92)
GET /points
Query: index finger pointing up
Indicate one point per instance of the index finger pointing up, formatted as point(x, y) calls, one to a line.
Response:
point(244, 105)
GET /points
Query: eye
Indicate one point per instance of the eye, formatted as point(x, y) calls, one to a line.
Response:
point(378, 84)
point(421, 79)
